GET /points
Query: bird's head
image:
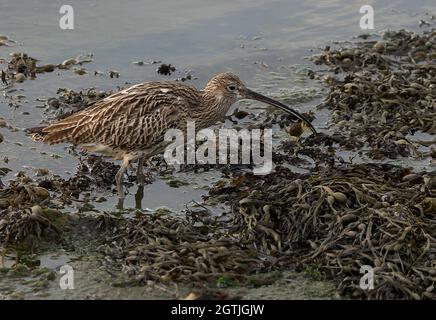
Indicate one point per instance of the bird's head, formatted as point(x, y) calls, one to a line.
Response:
point(227, 89)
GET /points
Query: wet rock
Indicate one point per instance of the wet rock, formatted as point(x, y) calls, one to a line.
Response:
point(114, 74)
point(80, 71)
point(165, 69)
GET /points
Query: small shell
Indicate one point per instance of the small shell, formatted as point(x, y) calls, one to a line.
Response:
point(379, 47)
point(267, 209)
point(404, 129)
point(19, 77)
point(351, 233)
point(348, 217)
point(330, 200)
point(328, 190)
point(41, 192)
point(410, 177)
point(36, 210)
point(349, 87)
point(347, 62)
point(401, 142)
point(192, 296)
point(361, 226)
point(398, 247)
point(246, 200)
point(3, 222)
point(339, 196)
point(131, 258)
point(347, 54)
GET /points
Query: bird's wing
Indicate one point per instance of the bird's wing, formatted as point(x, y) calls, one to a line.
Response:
point(133, 118)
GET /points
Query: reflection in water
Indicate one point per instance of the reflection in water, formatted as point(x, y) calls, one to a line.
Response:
point(120, 204)
point(139, 196)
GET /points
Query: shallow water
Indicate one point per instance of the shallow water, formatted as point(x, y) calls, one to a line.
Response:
point(265, 42)
point(262, 41)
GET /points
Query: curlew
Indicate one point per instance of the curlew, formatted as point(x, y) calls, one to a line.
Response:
point(130, 125)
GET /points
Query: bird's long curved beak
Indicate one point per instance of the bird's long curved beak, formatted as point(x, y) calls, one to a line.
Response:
point(249, 94)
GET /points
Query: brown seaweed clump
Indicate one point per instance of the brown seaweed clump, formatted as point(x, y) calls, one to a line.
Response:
point(69, 101)
point(23, 222)
point(22, 193)
point(22, 66)
point(387, 90)
point(22, 230)
point(161, 248)
point(93, 174)
point(340, 219)
point(100, 172)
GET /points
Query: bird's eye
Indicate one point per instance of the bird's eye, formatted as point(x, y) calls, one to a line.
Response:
point(231, 88)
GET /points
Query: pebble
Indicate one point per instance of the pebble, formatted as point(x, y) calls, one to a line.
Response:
point(19, 77)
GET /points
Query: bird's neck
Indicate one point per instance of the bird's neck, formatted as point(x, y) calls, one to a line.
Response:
point(212, 109)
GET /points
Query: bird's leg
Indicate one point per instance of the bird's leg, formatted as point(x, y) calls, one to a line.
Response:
point(119, 177)
point(142, 178)
point(2, 261)
point(140, 172)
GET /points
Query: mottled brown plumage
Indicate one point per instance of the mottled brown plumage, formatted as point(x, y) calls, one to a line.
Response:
point(131, 123)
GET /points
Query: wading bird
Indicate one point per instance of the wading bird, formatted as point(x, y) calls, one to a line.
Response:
point(130, 125)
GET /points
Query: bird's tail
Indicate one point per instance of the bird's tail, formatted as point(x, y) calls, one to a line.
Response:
point(61, 131)
point(36, 133)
